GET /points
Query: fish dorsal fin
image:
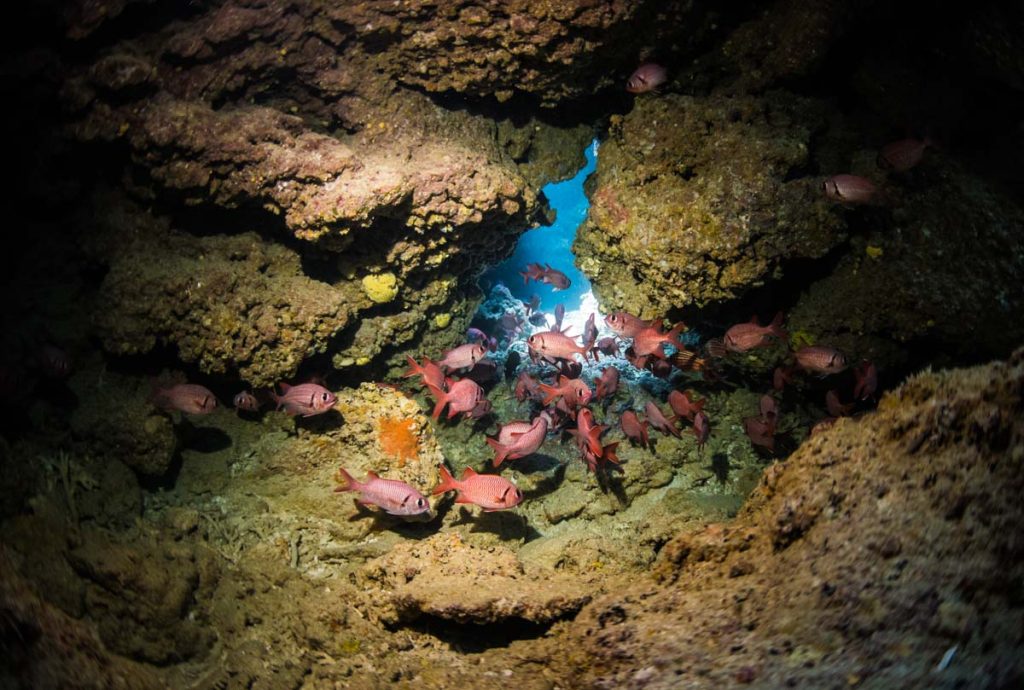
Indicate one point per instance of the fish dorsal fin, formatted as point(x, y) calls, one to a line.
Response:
point(753, 320)
point(468, 472)
point(371, 475)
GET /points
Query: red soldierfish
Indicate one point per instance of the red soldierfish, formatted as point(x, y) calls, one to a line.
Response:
point(780, 377)
point(475, 335)
point(545, 274)
point(189, 398)
point(307, 399)
point(430, 373)
point(246, 401)
point(760, 431)
point(527, 388)
point(634, 429)
point(532, 272)
point(608, 383)
point(489, 491)
point(647, 77)
point(851, 189)
point(463, 356)
point(769, 407)
point(559, 315)
point(587, 433)
point(519, 439)
point(575, 392)
point(636, 360)
point(820, 360)
point(462, 396)
point(658, 420)
point(867, 381)
point(902, 155)
point(607, 346)
point(626, 325)
point(589, 332)
point(395, 497)
point(649, 340)
point(481, 409)
point(701, 429)
point(746, 336)
point(556, 279)
point(555, 344)
point(684, 406)
point(593, 460)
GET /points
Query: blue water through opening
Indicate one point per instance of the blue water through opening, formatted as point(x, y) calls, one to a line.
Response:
point(551, 244)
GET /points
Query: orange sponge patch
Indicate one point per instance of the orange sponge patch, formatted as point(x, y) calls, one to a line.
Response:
point(398, 439)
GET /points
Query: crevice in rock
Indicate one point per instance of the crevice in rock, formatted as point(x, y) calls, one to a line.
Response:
point(476, 638)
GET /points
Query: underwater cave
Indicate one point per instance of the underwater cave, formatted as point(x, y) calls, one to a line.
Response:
point(500, 343)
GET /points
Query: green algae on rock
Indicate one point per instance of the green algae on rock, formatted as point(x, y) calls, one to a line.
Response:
point(234, 303)
point(948, 271)
point(692, 201)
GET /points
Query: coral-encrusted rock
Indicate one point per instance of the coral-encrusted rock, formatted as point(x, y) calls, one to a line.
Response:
point(948, 268)
point(140, 596)
point(393, 437)
point(64, 650)
point(693, 202)
point(790, 39)
point(900, 527)
point(445, 577)
point(226, 302)
point(552, 51)
point(116, 419)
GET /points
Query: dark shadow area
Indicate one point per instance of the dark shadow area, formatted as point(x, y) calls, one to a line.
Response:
point(720, 467)
point(164, 482)
point(473, 638)
point(320, 423)
point(202, 439)
point(507, 525)
point(548, 484)
point(610, 483)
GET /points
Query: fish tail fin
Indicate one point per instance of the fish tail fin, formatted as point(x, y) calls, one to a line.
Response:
point(447, 481)
point(776, 328)
point(348, 482)
point(500, 451)
point(687, 360)
point(550, 393)
point(645, 435)
point(442, 400)
point(716, 348)
point(414, 368)
point(673, 335)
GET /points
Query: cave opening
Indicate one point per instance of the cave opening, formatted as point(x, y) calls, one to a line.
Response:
point(552, 245)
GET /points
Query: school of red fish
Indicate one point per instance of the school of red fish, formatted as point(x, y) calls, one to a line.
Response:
point(559, 399)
